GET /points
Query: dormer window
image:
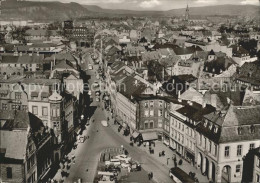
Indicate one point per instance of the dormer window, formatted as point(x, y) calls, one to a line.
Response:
point(210, 126)
point(216, 129)
point(239, 130)
point(205, 124)
point(252, 129)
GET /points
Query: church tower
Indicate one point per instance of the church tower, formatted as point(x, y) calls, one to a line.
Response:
point(187, 13)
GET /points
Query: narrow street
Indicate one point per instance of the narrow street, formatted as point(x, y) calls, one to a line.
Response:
point(87, 153)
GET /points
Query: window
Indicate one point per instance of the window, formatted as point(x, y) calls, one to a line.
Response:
point(239, 130)
point(58, 112)
point(151, 124)
point(205, 142)
point(9, 173)
point(160, 112)
point(251, 146)
point(238, 168)
point(160, 103)
point(160, 123)
point(44, 111)
point(35, 110)
point(56, 124)
point(239, 150)
point(252, 129)
point(257, 178)
point(258, 162)
point(151, 103)
point(54, 114)
point(216, 150)
point(4, 106)
point(146, 113)
point(151, 113)
point(210, 144)
point(24, 107)
point(146, 104)
point(227, 151)
point(18, 95)
point(146, 125)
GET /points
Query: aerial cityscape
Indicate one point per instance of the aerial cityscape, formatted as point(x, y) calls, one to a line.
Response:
point(120, 91)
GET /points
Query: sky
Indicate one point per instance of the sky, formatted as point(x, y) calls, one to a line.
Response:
point(157, 4)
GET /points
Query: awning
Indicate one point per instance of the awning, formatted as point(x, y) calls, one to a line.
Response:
point(149, 136)
point(34, 94)
point(135, 134)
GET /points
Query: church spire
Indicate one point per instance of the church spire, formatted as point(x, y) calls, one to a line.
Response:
point(187, 13)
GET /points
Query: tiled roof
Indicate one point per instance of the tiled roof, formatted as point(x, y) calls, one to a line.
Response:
point(195, 111)
point(131, 87)
point(243, 119)
point(14, 143)
point(46, 82)
point(40, 32)
point(249, 72)
point(24, 59)
point(175, 85)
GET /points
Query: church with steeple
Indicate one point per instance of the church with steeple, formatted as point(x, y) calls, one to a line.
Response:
point(187, 13)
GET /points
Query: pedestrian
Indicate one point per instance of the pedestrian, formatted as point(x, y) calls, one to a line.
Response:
point(151, 175)
point(175, 163)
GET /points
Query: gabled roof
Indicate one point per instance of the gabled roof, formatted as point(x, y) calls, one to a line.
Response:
point(243, 119)
point(131, 87)
point(63, 65)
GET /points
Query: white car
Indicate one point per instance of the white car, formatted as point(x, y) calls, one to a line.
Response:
point(125, 165)
point(123, 157)
point(104, 123)
point(95, 84)
point(90, 67)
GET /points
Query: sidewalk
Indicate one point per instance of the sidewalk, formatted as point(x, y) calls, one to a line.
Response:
point(72, 156)
point(159, 147)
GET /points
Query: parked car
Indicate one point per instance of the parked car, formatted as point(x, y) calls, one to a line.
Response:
point(125, 165)
point(95, 84)
point(90, 67)
point(104, 123)
point(82, 139)
point(123, 157)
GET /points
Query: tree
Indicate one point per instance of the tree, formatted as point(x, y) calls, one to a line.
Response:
point(2, 38)
point(48, 34)
point(19, 34)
